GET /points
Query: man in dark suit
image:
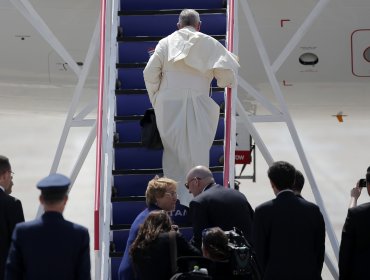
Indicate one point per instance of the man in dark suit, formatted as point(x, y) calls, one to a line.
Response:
point(288, 231)
point(50, 247)
point(11, 211)
point(354, 253)
point(216, 206)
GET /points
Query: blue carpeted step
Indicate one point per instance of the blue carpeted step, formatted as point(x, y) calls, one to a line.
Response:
point(163, 25)
point(131, 52)
point(124, 213)
point(130, 5)
point(135, 102)
point(127, 184)
point(120, 239)
point(143, 158)
point(138, 51)
point(115, 262)
point(130, 131)
point(132, 77)
point(132, 104)
point(132, 184)
point(122, 38)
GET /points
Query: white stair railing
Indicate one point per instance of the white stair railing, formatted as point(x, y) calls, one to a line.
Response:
point(281, 114)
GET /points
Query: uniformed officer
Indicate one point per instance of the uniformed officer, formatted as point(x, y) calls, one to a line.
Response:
point(50, 247)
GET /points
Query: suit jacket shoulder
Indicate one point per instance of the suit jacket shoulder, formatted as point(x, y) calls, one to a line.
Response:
point(354, 250)
point(7, 197)
point(283, 228)
point(11, 213)
point(13, 204)
point(34, 244)
point(360, 209)
point(209, 209)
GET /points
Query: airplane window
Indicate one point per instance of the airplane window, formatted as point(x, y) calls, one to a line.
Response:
point(367, 54)
point(309, 59)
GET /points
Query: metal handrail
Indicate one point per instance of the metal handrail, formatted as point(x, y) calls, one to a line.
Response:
point(99, 127)
point(228, 103)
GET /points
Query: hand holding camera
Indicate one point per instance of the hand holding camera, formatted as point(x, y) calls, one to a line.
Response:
point(361, 183)
point(356, 191)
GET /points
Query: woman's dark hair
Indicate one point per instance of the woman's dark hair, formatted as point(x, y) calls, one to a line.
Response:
point(215, 242)
point(156, 223)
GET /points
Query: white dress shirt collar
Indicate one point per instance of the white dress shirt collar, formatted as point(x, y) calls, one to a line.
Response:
point(286, 190)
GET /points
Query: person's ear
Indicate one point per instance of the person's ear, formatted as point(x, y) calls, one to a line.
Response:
point(198, 27)
point(178, 26)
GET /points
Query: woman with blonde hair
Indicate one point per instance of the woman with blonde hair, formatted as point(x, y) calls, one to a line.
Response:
point(160, 195)
point(151, 253)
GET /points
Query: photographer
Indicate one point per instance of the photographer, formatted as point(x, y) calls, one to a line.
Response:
point(354, 251)
point(215, 247)
point(356, 191)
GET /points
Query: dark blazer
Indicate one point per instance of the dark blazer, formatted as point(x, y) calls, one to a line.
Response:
point(289, 238)
point(154, 262)
point(11, 213)
point(354, 253)
point(49, 248)
point(220, 207)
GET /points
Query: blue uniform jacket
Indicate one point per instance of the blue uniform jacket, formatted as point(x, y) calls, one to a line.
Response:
point(49, 248)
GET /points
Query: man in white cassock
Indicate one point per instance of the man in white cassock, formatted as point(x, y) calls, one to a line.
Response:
point(178, 77)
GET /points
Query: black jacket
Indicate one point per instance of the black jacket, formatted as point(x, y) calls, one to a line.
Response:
point(220, 207)
point(154, 263)
point(289, 238)
point(11, 213)
point(354, 254)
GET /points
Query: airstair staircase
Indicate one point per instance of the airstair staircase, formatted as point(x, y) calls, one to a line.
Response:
point(141, 24)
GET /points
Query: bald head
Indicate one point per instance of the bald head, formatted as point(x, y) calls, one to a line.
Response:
point(198, 178)
point(200, 171)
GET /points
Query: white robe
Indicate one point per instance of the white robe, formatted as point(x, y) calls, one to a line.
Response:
point(177, 78)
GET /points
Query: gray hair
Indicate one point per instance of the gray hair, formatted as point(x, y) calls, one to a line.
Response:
point(189, 17)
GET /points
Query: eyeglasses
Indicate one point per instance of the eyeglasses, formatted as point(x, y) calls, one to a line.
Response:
point(187, 183)
point(172, 194)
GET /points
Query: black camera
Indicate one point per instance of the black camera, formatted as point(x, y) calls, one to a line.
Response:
point(362, 183)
